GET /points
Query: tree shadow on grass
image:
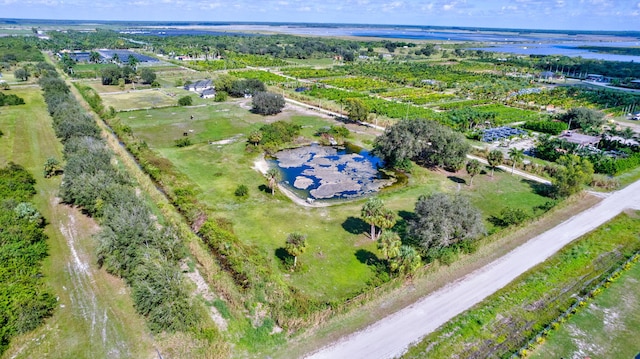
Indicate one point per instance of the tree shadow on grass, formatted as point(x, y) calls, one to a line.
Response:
point(355, 225)
point(367, 257)
point(538, 188)
point(457, 179)
point(264, 188)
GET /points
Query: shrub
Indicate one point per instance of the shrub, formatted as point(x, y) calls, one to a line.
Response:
point(221, 96)
point(241, 191)
point(185, 101)
point(183, 142)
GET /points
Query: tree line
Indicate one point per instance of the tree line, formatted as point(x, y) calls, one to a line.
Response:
point(25, 300)
point(131, 244)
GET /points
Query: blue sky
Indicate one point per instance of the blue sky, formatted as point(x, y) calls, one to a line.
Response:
point(532, 14)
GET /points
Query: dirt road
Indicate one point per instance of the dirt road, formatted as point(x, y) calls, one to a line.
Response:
point(391, 336)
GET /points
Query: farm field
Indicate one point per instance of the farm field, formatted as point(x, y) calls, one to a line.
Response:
point(607, 327)
point(95, 315)
point(337, 263)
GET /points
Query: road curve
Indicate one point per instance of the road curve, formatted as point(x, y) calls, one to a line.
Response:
point(391, 336)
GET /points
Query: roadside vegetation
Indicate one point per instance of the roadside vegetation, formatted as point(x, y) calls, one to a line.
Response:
point(504, 323)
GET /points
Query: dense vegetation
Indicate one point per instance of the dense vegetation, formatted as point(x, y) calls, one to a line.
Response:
point(24, 298)
point(131, 244)
point(422, 141)
point(10, 99)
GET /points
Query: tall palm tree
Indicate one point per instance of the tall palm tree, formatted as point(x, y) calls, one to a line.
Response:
point(495, 158)
point(273, 176)
point(389, 244)
point(516, 156)
point(295, 245)
point(371, 212)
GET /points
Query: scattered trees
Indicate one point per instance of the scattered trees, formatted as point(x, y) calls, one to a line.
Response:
point(296, 245)
point(442, 220)
point(474, 167)
point(495, 158)
point(267, 103)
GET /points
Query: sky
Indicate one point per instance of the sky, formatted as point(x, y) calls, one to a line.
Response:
point(527, 14)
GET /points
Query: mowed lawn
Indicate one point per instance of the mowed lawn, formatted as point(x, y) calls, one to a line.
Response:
point(95, 315)
point(336, 262)
point(609, 327)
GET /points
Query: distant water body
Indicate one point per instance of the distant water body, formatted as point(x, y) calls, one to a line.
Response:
point(522, 42)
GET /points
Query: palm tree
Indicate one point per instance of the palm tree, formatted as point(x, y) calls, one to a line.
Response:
point(94, 56)
point(371, 212)
point(495, 159)
point(516, 156)
point(273, 176)
point(389, 244)
point(255, 137)
point(387, 219)
point(627, 133)
point(295, 245)
point(474, 167)
point(115, 58)
point(132, 61)
point(407, 261)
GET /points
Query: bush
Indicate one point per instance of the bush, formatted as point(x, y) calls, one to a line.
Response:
point(185, 101)
point(512, 216)
point(221, 96)
point(241, 191)
point(11, 99)
point(183, 142)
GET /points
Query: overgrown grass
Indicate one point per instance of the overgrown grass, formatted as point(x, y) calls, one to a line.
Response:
point(505, 321)
point(608, 326)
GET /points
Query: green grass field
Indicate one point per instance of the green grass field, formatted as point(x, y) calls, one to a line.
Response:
point(609, 327)
point(95, 315)
point(138, 99)
point(335, 263)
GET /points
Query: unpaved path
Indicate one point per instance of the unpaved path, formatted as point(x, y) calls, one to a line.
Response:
point(391, 336)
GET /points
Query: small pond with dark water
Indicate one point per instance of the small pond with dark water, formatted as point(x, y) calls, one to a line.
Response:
point(325, 172)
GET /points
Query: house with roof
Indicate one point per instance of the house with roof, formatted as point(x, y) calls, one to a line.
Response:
point(199, 86)
point(208, 93)
point(580, 139)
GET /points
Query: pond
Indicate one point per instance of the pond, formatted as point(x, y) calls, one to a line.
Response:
point(325, 172)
